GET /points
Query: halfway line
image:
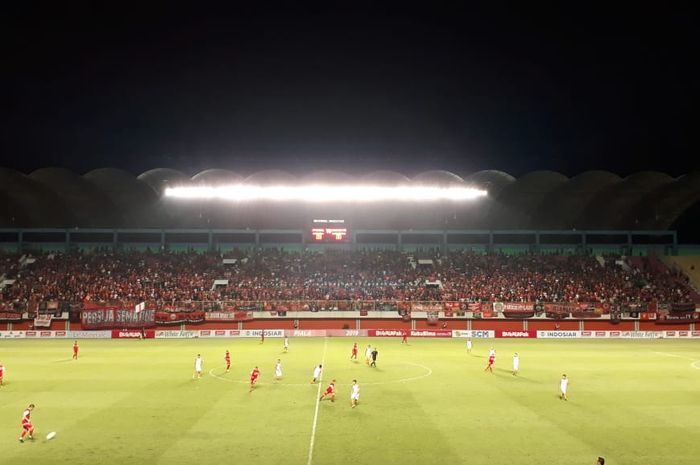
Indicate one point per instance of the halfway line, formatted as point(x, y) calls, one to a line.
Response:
point(318, 402)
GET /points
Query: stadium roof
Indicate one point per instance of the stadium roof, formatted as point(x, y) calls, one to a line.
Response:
point(215, 177)
point(113, 198)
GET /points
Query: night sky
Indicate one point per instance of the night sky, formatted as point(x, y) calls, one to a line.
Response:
point(303, 88)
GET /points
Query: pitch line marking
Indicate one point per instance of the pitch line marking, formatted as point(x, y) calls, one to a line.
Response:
point(428, 372)
point(694, 362)
point(674, 355)
point(318, 402)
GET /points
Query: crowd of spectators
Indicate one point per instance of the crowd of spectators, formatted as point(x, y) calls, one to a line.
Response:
point(332, 275)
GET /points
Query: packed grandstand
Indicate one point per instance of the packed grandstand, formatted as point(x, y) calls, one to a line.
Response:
point(181, 280)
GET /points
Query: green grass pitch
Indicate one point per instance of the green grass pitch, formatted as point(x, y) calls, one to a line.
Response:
point(135, 402)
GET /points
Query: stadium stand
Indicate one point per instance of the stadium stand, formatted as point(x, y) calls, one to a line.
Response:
point(167, 279)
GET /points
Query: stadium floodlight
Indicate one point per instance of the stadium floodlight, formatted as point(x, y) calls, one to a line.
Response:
point(326, 193)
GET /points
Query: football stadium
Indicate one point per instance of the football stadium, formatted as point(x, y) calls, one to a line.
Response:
point(332, 318)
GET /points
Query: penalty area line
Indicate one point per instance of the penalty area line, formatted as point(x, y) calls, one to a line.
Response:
point(318, 402)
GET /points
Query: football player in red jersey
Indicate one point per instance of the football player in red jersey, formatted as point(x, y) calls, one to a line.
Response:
point(330, 392)
point(492, 360)
point(227, 359)
point(353, 356)
point(75, 350)
point(254, 378)
point(2, 373)
point(27, 427)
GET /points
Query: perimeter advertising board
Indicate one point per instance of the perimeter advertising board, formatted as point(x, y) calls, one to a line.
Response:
point(516, 334)
point(241, 333)
point(474, 333)
point(558, 334)
point(409, 333)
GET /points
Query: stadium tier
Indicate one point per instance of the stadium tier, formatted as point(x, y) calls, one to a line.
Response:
point(272, 280)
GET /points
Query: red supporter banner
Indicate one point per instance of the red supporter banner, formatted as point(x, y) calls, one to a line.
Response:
point(474, 306)
point(561, 308)
point(411, 333)
point(516, 334)
point(150, 334)
point(108, 318)
point(452, 306)
point(647, 316)
point(10, 316)
point(524, 307)
point(171, 318)
point(514, 307)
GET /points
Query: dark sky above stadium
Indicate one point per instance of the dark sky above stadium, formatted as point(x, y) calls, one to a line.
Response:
point(355, 89)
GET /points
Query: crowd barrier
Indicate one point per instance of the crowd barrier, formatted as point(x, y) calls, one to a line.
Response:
point(279, 333)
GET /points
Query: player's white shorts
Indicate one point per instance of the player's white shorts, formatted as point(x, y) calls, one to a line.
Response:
point(278, 373)
point(516, 366)
point(563, 389)
point(354, 396)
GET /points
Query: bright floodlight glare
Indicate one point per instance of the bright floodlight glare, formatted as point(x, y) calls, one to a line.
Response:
point(326, 193)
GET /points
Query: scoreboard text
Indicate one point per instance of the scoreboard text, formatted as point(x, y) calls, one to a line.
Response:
point(329, 231)
point(329, 234)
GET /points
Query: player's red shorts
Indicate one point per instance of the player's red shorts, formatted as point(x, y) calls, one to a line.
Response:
point(27, 426)
point(253, 380)
point(329, 390)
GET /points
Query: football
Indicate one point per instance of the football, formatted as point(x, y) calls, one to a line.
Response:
point(51, 435)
